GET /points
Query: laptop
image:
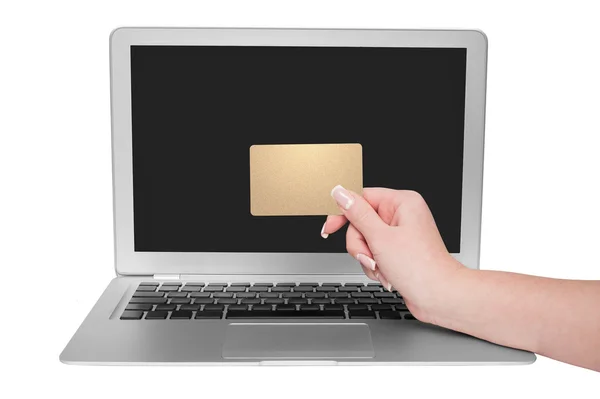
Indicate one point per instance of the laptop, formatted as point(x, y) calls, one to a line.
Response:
point(202, 280)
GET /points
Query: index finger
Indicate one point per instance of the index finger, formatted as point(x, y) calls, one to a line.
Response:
point(332, 224)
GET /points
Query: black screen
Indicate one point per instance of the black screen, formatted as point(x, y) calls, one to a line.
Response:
point(197, 110)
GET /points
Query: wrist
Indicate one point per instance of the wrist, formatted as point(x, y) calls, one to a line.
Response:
point(451, 278)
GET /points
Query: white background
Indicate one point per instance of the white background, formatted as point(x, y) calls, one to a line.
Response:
point(541, 191)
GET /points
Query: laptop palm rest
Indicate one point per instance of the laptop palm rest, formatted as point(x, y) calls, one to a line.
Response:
point(297, 341)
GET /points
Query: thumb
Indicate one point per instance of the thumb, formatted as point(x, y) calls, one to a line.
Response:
point(358, 212)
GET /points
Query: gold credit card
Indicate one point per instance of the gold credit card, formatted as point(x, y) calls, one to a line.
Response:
point(296, 179)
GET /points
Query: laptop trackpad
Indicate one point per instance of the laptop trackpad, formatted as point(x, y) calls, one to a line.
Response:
point(297, 341)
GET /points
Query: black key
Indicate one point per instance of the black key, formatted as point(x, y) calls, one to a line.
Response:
point(177, 294)
point(309, 284)
point(237, 307)
point(315, 295)
point(207, 314)
point(262, 307)
point(211, 288)
point(268, 295)
point(392, 301)
point(180, 301)
point(146, 288)
point(281, 289)
point(358, 307)
point(227, 301)
point(370, 289)
point(374, 285)
point(368, 300)
point(245, 295)
point(354, 285)
point(401, 307)
point(381, 307)
point(138, 307)
point(321, 301)
point(240, 284)
point(310, 307)
point(181, 314)
point(263, 285)
point(148, 300)
point(362, 314)
point(344, 301)
point(149, 283)
point(188, 288)
point(166, 307)
point(172, 284)
point(203, 300)
point(258, 289)
point(200, 295)
point(329, 314)
point(159, 315)
point(235, 289)
point(251, 301)
point(390, 315)
point(348, 289)
point(222, 295)
point(291, 295)
point(168, 288)
point(383, 295)
point(295, 301)
point(190, 307)
point(361, 295)
point(144, 294)
point(333, 307)
point(216, 307)
point(409, 316)
point(303, 289)
point(286, 284)
point(261, 314)
point(325, 289)
point(282, 308)
point(194, 284)
point(273, 301)
point(338, 295)
point(331, 284)
point(132, 315)
point(217, 284)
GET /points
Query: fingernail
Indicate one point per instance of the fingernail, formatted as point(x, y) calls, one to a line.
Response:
point(383, 281)
point(366, 261)
point(342, 197)
point(323, 234)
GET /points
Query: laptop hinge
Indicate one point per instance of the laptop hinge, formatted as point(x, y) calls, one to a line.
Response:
point(166, 276)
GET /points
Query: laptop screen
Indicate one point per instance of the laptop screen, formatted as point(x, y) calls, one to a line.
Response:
point(196, 111)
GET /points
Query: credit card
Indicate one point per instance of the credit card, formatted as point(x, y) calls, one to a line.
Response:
point(296, 179)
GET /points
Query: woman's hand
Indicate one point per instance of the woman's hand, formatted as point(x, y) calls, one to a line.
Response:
point(394, 237)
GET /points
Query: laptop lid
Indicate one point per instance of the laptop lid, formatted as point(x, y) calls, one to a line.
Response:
point(188, 104)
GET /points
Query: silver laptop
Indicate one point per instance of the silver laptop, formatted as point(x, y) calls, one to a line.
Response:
point(199, 279)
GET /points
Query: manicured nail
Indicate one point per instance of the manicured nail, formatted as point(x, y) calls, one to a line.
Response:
point(342, 197)
point(323, 234)
point(366, 261)
point(383, 281)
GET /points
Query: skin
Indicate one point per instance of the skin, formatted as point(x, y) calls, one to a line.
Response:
point(394, 237)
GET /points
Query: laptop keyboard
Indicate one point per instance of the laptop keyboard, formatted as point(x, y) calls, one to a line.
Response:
point(178, 301)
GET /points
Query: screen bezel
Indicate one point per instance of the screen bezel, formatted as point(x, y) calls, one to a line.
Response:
point(129, 262)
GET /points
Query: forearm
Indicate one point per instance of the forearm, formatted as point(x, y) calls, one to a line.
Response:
point(555, 318)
